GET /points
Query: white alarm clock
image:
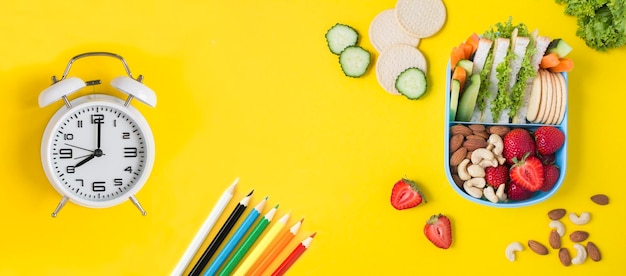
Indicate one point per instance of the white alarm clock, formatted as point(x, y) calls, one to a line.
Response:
point(97, 150)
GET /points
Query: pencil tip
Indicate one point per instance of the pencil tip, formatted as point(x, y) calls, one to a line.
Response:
point(301, 220)
point(313, 235)
point(276, 207)
point(266, 197)
point(251, 192)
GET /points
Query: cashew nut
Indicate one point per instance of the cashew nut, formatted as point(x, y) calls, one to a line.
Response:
point(500, 192)
point(476, 171)
point(490, 194)
point(581, 254)
point(481, 154)
point(498, 144)
point(462, 170)
point(580, 220)
point(510, 250)
point(488, 163)
point(500, 159)
point(560, 228)
point(474, 186)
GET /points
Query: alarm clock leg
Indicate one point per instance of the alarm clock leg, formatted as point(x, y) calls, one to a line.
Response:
point(59, 206)
point(138, 205)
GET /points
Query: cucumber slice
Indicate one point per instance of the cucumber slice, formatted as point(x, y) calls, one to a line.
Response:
point(411, 83)
point(560, 47)
point(340, 36)
point(354, 61)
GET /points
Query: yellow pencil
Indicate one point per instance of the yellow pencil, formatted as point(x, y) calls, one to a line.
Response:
point(268, 239)
point(274, 249)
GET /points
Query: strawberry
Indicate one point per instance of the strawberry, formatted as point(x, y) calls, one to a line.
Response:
point(405, 194)
point(527, 172)
point(548, 139)
point(497, 175)
point(550, 176)
point(518, 142)
point(438, 231)
point(547, 159)
point(515, 191)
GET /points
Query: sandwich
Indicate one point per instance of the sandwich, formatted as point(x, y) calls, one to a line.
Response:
point(493, 74)
point(508, 69)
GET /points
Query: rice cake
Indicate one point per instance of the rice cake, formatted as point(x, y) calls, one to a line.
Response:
point(421, 18)
point(385, 31)
point(395, 59)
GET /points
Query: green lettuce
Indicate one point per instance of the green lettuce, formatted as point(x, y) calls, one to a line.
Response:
point(601, 23)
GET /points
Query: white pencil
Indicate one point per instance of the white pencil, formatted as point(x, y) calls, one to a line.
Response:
point(205, 229)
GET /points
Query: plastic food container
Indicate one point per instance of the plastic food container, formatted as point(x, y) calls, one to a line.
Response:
point(539, 196)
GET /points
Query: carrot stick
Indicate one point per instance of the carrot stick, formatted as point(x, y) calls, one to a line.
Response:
point(473, 41)
point(457, 54)
point(461, 75)
point(549, 60)
point(565, 65)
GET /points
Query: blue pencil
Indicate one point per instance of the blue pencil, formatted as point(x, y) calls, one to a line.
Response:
point(235, 239)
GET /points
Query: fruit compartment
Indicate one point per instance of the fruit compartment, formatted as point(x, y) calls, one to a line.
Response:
point(539, 196)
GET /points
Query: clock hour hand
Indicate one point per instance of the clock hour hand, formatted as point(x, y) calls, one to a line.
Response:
point(96, 153)
point(82, 162)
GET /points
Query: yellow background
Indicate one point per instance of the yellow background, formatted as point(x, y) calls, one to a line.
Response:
point(249, 89)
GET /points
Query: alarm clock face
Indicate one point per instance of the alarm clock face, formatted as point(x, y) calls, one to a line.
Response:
point(99, 152)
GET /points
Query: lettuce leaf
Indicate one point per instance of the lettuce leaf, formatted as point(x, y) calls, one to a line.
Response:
point(601, 23)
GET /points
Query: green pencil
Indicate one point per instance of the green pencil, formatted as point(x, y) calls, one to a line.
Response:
point(248, 242)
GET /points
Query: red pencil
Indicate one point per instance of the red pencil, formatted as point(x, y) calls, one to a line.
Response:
point(293, 256)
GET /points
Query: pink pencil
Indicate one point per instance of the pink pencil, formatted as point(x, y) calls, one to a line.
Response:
point(293, 256)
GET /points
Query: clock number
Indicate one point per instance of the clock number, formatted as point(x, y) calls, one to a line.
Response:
point(97, 118)
point(79, 123)
point(81, 182)
point(65, 153)
point(128, 169)
point(114, 123)
point(70, 169)
point(98, 186)
point(130, 152)
point(68, 136)
point(126, 135)
point(117, 182)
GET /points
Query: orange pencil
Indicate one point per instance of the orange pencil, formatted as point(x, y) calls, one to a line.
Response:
point(293, 256)
point(273, 250)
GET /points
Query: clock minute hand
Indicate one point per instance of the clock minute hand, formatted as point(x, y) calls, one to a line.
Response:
point(99, 124)
point(82, 162)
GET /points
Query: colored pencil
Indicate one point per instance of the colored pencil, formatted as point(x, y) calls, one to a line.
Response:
point(258, 251)
point(234, 240)
point(293, 256)
point(221, 235)
point(205, 229)
point(274, 249)
point(248, 242)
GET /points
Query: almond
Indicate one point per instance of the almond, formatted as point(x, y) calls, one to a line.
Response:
point(593, 252)
point(473, 136)
point(564, 256)
point(473, 144)
point(555, 239)
point(500, 130)
point(578, 236)
point(477, 128)
point(483, 134)
point(557, 214)
point(456, 141)
point(537, 247)
point(460, 129)
point(458, 156)
point(600, 199)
